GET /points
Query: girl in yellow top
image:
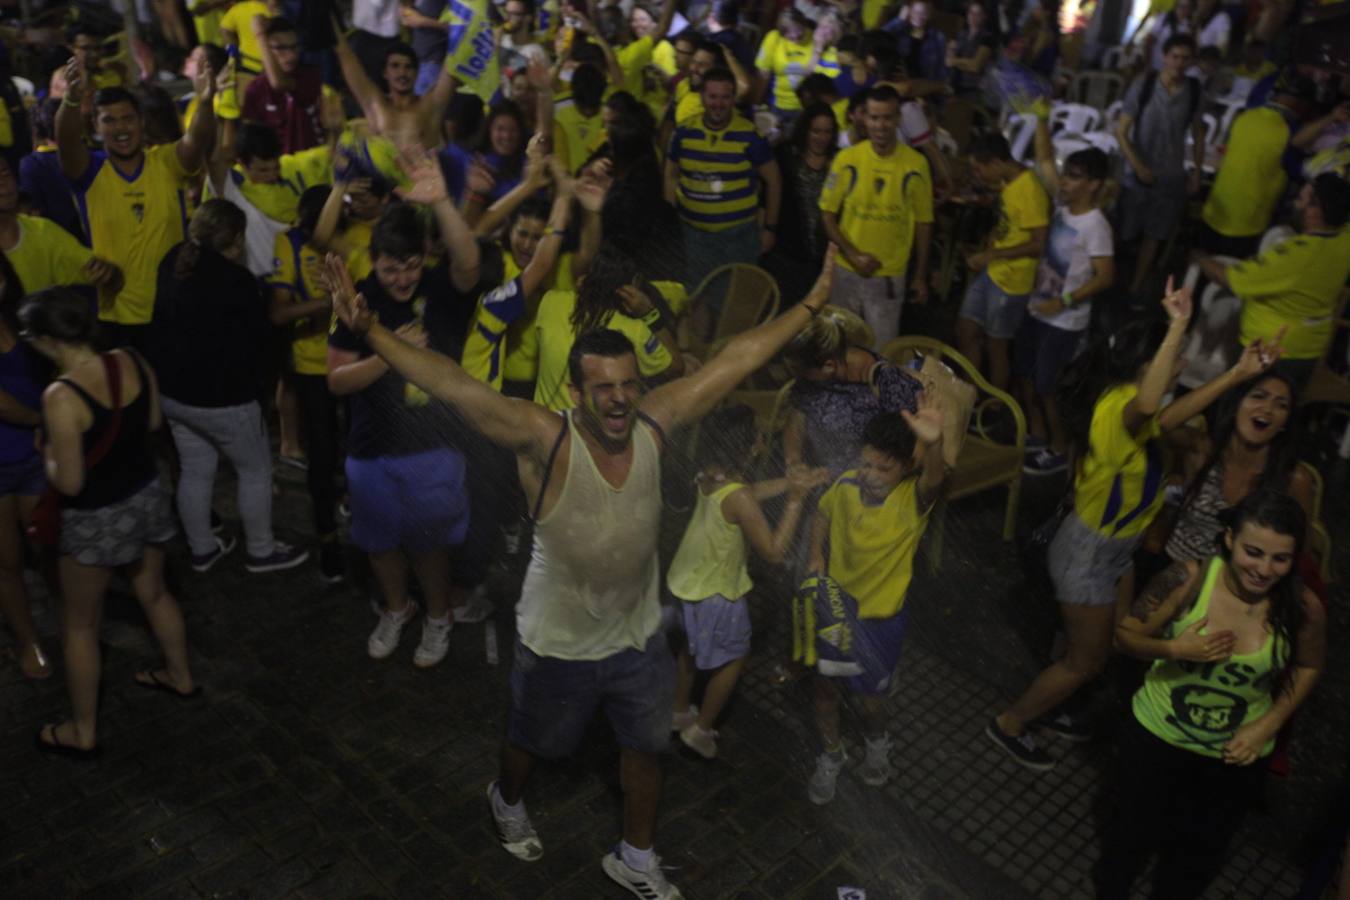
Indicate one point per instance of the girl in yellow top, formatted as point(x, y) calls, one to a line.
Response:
point(708, 574)
point(1112, 401)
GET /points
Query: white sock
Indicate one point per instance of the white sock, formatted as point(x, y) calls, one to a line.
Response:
point(639, 860)
point(504, 809)
point(443, 620)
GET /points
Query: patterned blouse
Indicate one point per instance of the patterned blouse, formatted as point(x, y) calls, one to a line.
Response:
point(837, 412)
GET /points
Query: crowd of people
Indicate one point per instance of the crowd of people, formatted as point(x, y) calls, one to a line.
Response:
point(455, 256)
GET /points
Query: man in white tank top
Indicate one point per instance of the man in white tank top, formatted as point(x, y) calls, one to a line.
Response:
point(589, 613)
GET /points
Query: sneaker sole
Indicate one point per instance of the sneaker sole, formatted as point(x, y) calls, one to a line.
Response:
point(517, 850)
point(1073, 737)
point(264, 568)
point(608, 864)
point(1026, 764)
point(698, 750)
point(471, 618)
point(203, 568)
point(876, 782)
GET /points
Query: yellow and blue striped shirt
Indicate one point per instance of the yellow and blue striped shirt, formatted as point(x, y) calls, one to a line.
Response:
point(718, 177)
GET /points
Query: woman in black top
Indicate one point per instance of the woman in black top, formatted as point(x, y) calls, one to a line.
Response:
point(114, 513)
point(804, 159)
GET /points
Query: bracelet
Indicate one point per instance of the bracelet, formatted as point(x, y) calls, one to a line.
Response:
point(812, 310)
point(550, 232)
point(1067, 299)
point(653, 319)
point(65, 101)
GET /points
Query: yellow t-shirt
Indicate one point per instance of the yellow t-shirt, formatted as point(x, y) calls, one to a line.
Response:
point(633, 58)
point(1250, 180)
point(872, 11)
point(878, 200)
point(208, 25)
point(356, 243)
point(787, 62)
point(1297, 284)
point(239, 19)
point(280, 200)
point(712, 556)
point(47, 255)
point(688, 102)
point(1119, 486)
point(550, 341)
point(576, 136)
point(1023, 205)
point(133, 222)
point(298, 268)
point(663, 57)
point(872, 547)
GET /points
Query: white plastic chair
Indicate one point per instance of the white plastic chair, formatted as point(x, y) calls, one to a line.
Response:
point(1211, 123)
point(1214, 335)
point(24, 85)
point(1066, 145)
point(1096, 89)
point(946, 143)
point(1020, 131)
point(1116, 59)
point(1074, 118)
point(1103, 141)
point(1112, 116)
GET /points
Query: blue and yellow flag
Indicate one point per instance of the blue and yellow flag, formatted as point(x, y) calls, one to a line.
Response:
point(471, 52)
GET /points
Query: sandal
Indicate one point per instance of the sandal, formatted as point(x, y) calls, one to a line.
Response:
point(150, 680)
point(47, 742)
point(33, 663)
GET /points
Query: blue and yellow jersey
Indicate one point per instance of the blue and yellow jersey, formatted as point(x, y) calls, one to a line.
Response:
point(298, 269)
point(239, 19)
point(872, 547)
point(1119, 486)
point(718, 180)
point(133, 221)
point(789, 63)
point(575, 135)
point(279, 200)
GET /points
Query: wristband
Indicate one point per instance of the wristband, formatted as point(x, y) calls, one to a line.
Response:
point(653, 319)
point(1067, 299)
point(550, 232)
point(65, 101)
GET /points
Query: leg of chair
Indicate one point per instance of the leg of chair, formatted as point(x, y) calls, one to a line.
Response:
point(1010, 516)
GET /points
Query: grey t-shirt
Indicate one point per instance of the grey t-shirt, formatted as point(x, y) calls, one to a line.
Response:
point(1160, 130)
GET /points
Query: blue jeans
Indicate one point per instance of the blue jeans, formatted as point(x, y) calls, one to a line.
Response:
point(998, 313)
point(707, 250)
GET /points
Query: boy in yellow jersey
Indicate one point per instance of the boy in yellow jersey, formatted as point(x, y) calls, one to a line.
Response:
point(300, 301)
point(132, 198)
point(578, 122)
point(648, 32)
point(86, 44)
point(996, 300)
point(43, 253)
point(877, 206)
point(873, 517)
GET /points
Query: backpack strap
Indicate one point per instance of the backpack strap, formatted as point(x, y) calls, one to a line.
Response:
point(548, 469)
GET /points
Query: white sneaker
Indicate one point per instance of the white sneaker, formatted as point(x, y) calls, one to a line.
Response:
point(476, 608)
point(435, 642)
point(384, 639)
point(876, 769)
point(682, 720)
point(515, 833)
point(649, 885)
point(820, 790)
point(704, 743)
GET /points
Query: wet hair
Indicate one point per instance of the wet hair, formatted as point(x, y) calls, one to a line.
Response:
point(815, 88)
point(399, 233)
point(216, 56)
point(801, 128)
point(218, 225)
point(257, 141)
point(110, 96)
point(86, 28)
point(826, 338)
point(466, 112)
point(399, 49)
point(163, 124)
point(888, 433)
point(588, 86)
point(61, 314)
point(1281, 514)
point(884, 93)
point(1178, 40)
point(279, 25)
point(1109, 360)
point(1333, 198)
point(849, 43)
point(1094, 164)
point(586, 52)
point(886, 57)
point(632, 134)
point(603, 342)
point(990, 147)
point(719, 73)
point(727, 439)
point(598, 294)
point(310, 206)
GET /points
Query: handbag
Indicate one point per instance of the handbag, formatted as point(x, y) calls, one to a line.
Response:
point(44, 525)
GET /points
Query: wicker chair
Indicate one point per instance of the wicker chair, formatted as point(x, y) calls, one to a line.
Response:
point(750, 296)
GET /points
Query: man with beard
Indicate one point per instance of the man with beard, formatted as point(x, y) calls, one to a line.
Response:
point(400, 115)
point(131, 197)
point(1295, 286)
point(589, 614)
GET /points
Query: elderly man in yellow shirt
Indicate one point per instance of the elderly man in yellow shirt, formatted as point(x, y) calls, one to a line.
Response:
point(1296, 285)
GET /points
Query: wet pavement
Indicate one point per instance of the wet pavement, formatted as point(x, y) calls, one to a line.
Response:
point(309, 770)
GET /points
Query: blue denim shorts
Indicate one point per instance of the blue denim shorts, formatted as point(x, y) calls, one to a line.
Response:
point(553, 700)
point(876, 647)
point(1086, 564)
point(999, 314)
point(417, 503)
point(25, 478)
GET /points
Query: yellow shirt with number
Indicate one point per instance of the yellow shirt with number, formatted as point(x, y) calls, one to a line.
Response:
point(1118, 488)
point(298, 268)
point(872, 547)
point(133, 222)
point(1297, 285)
point(47, 255)
point(1250, 179)
point(1023, 205)
point(879, 200)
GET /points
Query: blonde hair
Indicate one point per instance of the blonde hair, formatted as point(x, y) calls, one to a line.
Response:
point(827, 339)
point(217, 224)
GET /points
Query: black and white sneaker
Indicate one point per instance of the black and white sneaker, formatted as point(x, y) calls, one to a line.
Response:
point(1071, 728)
point(516, 834)
point(282, 557)
point(649, 885)
point(206, 561)
point(1023, 749)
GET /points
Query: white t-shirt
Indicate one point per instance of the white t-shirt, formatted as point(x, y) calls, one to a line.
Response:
point(1070, 246)
point(377, 17)
point(1216, 32)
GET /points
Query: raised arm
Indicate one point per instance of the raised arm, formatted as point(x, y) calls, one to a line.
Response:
point(745, 82)
point(1045, 153)
point(195, 147)
point(535, 179)
point(431, 106)
point(428, 187)
point(1255, 359)
point(926, 423)
point(536, 272)
point(365, 91)
point(517, 425)
point(70, 147)
point(1158, 376)
point(771, 545)
point(271, 68)
point(690, 398)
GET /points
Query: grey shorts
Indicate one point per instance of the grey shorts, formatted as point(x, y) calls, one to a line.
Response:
point(117, 534)
point(718, 630)
point(1085, 564)
point(1152, 211)
point(999, 313)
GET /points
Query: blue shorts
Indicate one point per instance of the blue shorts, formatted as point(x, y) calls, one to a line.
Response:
point(1043, 351)
point(25, 478)
point(415, 503)
point(553, 700)
point(718, 630)
point(876, 647)
point(999, 314)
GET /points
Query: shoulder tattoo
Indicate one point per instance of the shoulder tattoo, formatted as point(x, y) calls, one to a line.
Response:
point(1163, 585)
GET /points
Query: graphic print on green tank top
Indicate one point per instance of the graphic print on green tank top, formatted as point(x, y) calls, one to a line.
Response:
point(1199, 706)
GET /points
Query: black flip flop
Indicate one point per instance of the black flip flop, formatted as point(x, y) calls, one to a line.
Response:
point(155, 684)
point(54, 747)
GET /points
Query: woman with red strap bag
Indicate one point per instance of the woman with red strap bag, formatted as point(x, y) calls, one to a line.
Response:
point(115, 511)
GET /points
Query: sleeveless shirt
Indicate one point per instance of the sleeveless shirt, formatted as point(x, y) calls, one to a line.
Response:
point(712, 555)
point(593, 585)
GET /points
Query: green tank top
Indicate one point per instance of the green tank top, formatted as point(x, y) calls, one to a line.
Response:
point(1198, 706)
point(712, 555)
